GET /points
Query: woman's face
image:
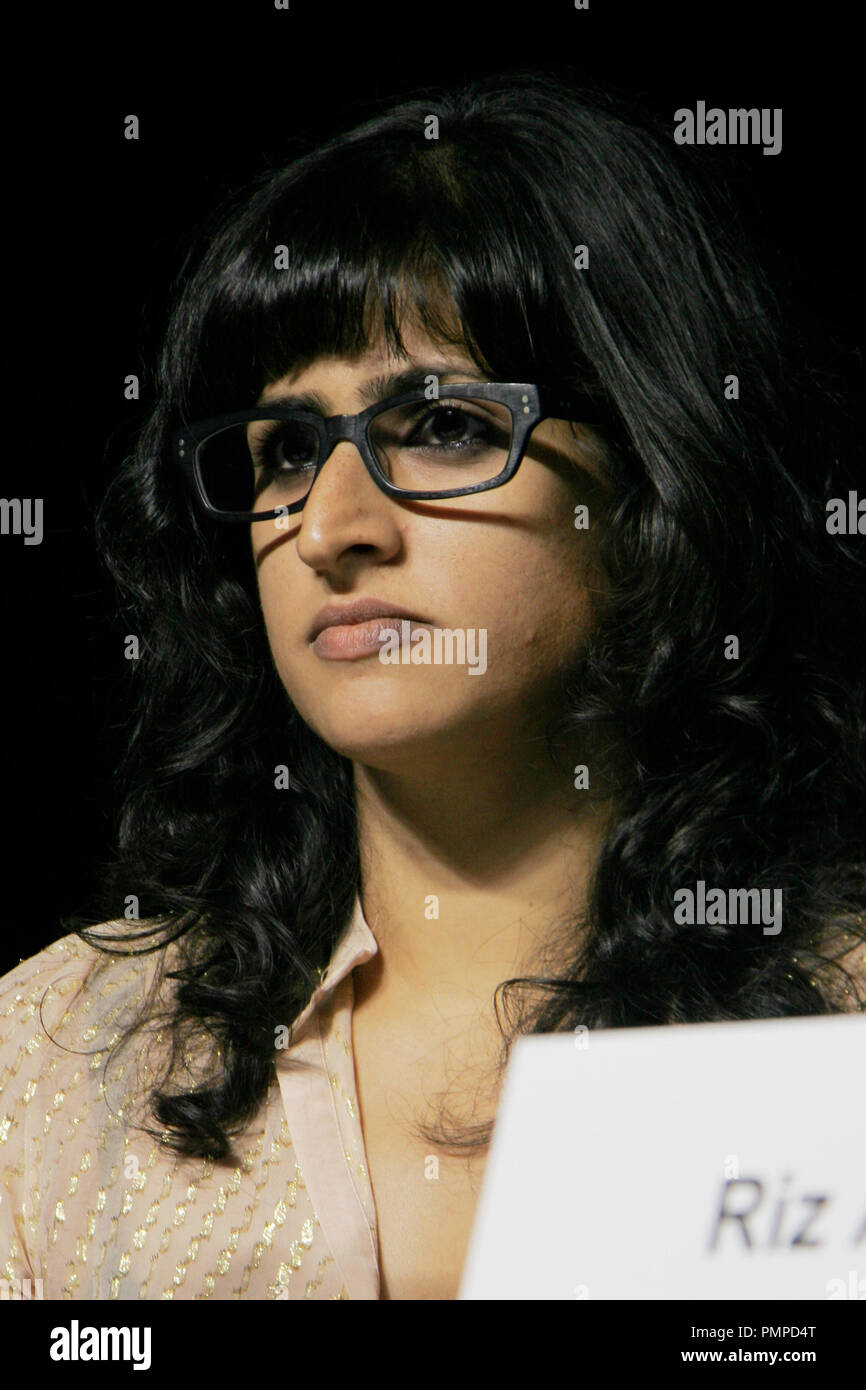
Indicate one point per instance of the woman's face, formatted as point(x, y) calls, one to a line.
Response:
point(508, 567)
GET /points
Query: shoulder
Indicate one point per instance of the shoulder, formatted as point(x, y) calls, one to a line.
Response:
point(838, 966)
point(69, 1003)
point(45, 964)
point(69, 965)
point(55, 971)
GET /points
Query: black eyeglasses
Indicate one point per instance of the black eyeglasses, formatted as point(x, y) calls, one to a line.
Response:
point(253, 465)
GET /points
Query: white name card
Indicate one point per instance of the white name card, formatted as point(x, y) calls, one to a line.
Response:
point(692, 1161)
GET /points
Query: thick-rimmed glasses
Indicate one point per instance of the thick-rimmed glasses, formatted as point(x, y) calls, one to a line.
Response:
point(256, 464)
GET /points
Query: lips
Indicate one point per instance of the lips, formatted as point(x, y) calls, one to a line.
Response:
point(358, 611)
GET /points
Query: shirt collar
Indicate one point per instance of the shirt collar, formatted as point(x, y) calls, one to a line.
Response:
point(355, 945)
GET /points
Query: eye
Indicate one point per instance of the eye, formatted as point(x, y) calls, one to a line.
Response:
point(447, 426)
point(282, 445)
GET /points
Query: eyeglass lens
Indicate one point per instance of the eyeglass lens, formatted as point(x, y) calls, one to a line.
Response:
point(422, 445)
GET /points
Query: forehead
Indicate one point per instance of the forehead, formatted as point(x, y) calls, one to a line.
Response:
point(416, 348)
point(374, 374)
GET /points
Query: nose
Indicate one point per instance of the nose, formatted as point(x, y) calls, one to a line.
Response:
point(345, 510)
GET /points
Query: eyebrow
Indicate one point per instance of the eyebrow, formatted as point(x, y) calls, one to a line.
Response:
point(379, 388)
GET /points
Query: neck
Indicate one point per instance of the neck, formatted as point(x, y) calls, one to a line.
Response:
point(469, 869)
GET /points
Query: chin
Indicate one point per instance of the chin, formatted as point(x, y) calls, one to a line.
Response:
point(387, 731)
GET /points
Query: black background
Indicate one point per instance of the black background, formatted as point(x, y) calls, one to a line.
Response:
point(97, 227)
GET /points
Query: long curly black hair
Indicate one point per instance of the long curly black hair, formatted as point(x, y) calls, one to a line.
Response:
point(746, 772)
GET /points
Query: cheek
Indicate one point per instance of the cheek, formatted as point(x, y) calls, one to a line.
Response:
point(285, 621)
point(537, 611)
point(273, 598)
point(547, 600)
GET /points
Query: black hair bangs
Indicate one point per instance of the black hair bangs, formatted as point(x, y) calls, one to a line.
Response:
point(335, 257)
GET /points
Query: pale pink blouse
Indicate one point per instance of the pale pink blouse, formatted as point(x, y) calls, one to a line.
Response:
point(95, 1209)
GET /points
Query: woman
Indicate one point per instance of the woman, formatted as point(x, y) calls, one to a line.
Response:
point(488, 387)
